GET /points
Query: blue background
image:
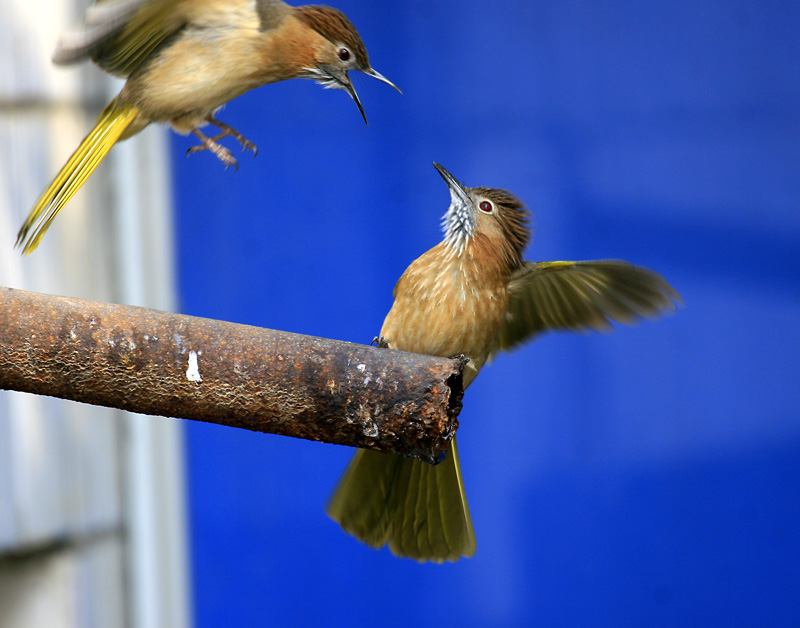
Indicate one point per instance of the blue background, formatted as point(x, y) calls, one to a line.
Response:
point(649, 477)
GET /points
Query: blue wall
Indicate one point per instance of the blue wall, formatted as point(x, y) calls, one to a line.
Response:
point(647, 477)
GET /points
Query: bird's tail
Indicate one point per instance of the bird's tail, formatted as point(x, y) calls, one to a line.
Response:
point(108, 129)
point(418, 509)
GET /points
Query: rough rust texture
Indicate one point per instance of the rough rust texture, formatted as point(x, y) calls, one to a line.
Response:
point(258, 379)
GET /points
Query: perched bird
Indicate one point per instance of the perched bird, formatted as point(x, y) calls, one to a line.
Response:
point(473, 294)
point(183, 60)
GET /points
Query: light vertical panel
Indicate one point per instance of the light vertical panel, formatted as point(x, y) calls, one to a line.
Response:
point(71, 531)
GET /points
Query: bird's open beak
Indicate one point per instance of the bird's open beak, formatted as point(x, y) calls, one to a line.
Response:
point(377, 75)
point(337, 78)
point(348, 85)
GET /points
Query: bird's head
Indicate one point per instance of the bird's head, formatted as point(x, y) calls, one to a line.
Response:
point(495, 215)
point(341, 51)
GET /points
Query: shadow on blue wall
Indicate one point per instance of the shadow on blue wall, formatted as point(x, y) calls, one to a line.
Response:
point(643, 478)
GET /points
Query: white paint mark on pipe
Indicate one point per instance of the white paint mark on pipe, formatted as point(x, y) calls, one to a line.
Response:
point(193, 371)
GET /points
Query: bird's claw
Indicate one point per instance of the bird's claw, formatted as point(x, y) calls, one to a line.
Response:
point(228, 131)
point(248, 145)
point(380, 342)
point(219, 151)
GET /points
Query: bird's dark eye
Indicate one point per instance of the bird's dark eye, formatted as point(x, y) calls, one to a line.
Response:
point(344, 54)
point(486, 206)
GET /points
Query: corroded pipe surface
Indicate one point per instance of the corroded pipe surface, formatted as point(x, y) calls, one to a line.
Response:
point(165, 364)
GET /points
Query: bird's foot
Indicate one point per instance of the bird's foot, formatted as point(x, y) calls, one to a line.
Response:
point(246, 144)
point(229, 131)
point(380, 342)
point(219, 151)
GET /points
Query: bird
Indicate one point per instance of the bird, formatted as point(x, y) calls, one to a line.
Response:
point(182, 61)
point(474, 295)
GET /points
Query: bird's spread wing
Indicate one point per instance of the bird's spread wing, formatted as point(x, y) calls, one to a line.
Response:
point(581, 296)
point(120, 34)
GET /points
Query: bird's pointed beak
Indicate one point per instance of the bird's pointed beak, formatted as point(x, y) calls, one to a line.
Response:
point(457, 189)
point(459, 221)
point(377, 75)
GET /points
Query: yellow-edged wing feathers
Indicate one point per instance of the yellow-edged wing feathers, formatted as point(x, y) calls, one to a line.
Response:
point(580, 296)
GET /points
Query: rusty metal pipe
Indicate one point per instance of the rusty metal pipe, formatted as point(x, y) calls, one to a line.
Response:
point(186, 367)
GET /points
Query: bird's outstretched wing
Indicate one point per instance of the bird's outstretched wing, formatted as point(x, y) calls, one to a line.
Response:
point(581, 296)
point(119, 35)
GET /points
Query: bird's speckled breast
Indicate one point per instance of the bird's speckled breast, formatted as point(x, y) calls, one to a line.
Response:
point(448, 304)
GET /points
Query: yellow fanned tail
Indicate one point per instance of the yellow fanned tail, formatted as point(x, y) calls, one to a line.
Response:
point(110, 126)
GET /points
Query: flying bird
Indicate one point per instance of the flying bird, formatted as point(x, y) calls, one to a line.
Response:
point(184, 59)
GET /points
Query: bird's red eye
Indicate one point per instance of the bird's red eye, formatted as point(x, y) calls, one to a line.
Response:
point(344, 54)
point(486, 206)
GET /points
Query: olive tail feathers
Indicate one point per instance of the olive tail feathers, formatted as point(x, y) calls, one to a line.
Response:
point(420, 511)
point(110, 126)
